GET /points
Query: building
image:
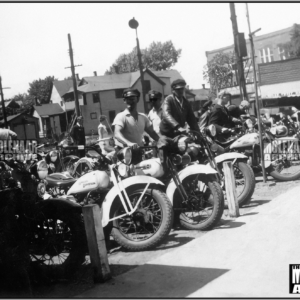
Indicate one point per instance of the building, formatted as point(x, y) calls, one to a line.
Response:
point(11, 107)
point(280, 79)
point(267, 49)
point(25, 126)
point(51, 118)
point(201, 96)
point(102, 95)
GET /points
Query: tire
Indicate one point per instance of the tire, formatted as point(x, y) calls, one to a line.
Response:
point(50, 250)
point(165, 224)
point(214, 191)
point(244, 197)
point(278, 175)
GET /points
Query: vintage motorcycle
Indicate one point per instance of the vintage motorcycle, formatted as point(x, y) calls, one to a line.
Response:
point(53, 229)
point(192, 188)
point(138, 212)
point(282, 155)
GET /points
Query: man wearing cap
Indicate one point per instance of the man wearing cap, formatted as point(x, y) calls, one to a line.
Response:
point(241, 111)
point(78, 135)
point(176, 111)
point(220, 116)
point(6, 134)
point(156, 112)
point(130, 124)
point(205, 114)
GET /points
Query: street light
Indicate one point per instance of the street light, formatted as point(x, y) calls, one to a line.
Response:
point(134, 25)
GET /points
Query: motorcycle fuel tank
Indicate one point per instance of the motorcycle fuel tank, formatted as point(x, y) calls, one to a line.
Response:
point(95, 180)
point(151, 167)
point(246, 140)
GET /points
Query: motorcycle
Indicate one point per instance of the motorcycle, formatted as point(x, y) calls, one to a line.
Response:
point(281, 155)
point(53, 229)
point(137, 212)
point(192, 188)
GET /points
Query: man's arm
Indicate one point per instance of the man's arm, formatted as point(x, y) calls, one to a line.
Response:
point(191, 119)
point(152, 133)
point(167, 115)
point(214, 119)
point(119, 136)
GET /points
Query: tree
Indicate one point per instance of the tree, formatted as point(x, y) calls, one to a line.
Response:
point(219, 71)
point(41, 89)
point(158, 56)
point(292, 48)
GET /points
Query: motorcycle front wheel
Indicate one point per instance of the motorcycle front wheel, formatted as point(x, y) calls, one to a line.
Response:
point(148, 226)
point(59, 241)
point(286, 161)
point(205, 204)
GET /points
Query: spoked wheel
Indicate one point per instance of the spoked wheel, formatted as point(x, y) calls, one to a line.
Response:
point(148, 225)
point(205, 204)
point(286, 161)
point(81, 168)
point(59, 241)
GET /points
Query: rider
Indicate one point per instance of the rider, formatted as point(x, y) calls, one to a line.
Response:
point(155, 113)
point(78, 135)
point(241, 111)
point(220, 116)
point(129, 125)
point(177, 111)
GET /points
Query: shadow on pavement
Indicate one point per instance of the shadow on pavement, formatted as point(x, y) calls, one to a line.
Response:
point(230, 224)
point(156, 281)
point(257, 203)
point(249, 214)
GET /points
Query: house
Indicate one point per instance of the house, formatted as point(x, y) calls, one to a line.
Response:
point(24, 125)
point(52, 119)
point(102, 95)
point(267, 49)
point(280, 79)
point(11, 107)
point(201, 96)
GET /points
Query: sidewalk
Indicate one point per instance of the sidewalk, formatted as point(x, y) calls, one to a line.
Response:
point(247, 257)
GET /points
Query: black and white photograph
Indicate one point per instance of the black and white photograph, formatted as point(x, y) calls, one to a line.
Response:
point(149, 150)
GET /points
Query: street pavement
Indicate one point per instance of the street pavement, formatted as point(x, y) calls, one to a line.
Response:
point(246, 257)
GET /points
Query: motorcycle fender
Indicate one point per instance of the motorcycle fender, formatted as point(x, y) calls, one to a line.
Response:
point(60, 204)
point(190, 170)
point(70, 158)
point(229, 156)
point(113, 193)
point(270, 147)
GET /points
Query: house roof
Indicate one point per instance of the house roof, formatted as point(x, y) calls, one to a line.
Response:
point(8, 103)
point(112, 82)
point(172, 74)
point(9, 118)
point(63, 86)
point(49, 109)
point(201, 94)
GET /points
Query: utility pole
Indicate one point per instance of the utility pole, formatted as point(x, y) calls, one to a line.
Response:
point(240, 65)
point(77, 110)
point(3, 106)
point(256, 97)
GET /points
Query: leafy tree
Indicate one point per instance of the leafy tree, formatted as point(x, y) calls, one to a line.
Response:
point(41, 89)
point(219, 71)
point(158, 56)
point(292, 48)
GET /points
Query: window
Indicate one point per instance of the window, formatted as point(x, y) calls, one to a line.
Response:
point(94, 115)
point(119, 93)
point(96, 98)
point(266, 55)
point(147, 86)
point(84, 99)
point(282, 53)
point(112, 114)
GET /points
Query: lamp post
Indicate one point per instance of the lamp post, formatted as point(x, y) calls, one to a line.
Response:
point(134, 25)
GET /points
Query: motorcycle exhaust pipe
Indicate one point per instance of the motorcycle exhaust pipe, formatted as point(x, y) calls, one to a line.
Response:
point(217, 149)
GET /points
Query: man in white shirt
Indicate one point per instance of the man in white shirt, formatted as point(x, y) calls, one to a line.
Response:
point(130, 124)
point(6, 134)
point(156, 112)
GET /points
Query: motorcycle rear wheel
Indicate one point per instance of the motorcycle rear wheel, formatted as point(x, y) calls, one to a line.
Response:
point(289, 168)
point(205, 206)
point(59, 241)
point(148, 226)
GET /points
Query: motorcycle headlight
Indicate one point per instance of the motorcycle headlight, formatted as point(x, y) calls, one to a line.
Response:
point(177, 159)
point(42, 169)
point(211, 129)
point(182, 144)
point(186, 159)
point(123, 170)
point(53, 156)
point(125, 155)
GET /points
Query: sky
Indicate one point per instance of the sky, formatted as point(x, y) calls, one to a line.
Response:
point(34, 36)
